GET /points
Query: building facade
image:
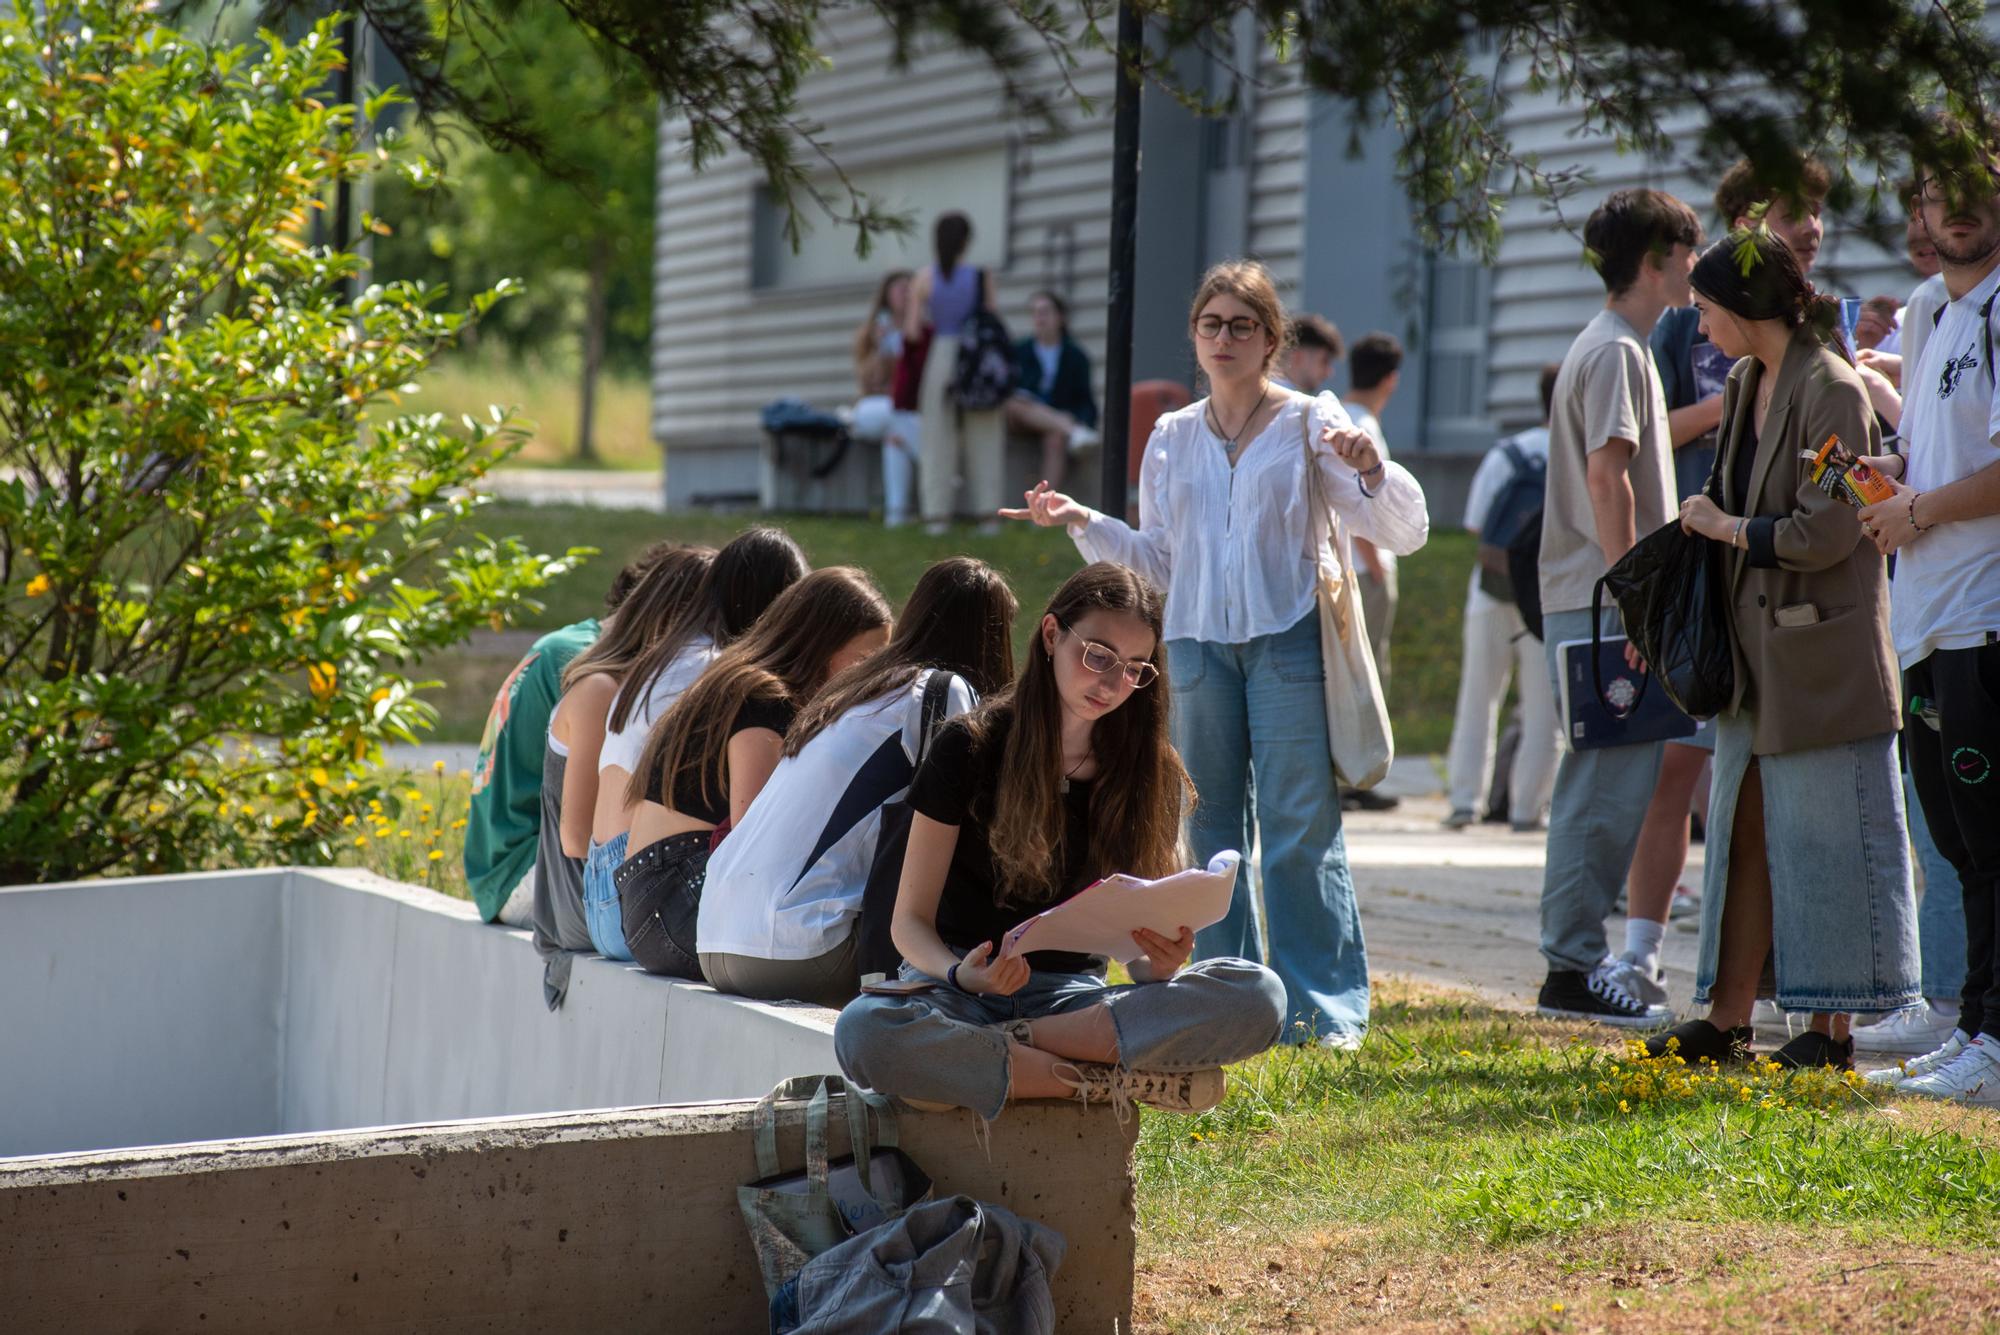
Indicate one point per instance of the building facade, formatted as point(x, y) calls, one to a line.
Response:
point(741, 317)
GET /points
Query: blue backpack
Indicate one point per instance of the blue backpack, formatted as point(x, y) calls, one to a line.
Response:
point(1508, 523)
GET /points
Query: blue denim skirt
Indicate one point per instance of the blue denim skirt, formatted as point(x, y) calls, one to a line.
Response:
point(1843, 901)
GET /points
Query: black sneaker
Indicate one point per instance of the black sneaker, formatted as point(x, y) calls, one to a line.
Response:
point(1367, 799)
point(1698, 1039)
point(1813, 1048)
point(1571, 994)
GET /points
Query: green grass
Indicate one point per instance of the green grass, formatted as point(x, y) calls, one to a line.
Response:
point(1035, 562)
point(546, 395)
point(1514, 1161)
point(1459, 1118)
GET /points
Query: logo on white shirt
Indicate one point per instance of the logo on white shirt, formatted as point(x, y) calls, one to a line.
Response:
point(1954, 371)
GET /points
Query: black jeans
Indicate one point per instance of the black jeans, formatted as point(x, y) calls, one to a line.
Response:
point(659, 894)
point(1956, 769)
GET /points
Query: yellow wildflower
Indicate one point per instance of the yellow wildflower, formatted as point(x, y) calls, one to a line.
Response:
point(347, 820)
point(438, 765)
point(437, 855)
point(361, 841)
point(318, 776)
point(38, 586)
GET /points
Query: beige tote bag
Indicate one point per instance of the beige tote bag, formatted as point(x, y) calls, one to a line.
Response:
point(1357, 718)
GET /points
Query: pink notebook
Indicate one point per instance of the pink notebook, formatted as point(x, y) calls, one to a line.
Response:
point(1101, 920)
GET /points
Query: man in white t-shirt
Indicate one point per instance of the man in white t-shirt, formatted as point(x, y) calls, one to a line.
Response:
point(1610, 480)
point(1497, 646)
point(1943, 524)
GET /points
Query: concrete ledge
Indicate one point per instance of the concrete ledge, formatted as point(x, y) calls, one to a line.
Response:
point(155, 1010)
point(610, 1221)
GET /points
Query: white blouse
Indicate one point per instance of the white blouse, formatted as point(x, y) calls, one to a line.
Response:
point(1231, 545)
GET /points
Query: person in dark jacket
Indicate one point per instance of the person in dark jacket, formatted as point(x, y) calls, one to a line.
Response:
point(1054, 400)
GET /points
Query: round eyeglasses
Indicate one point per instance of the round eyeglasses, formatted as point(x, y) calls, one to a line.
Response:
point(1101, 658)
point(1241, 329)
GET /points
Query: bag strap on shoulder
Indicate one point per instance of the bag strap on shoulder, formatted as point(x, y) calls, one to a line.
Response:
point(1325, 528)
point(937, 699)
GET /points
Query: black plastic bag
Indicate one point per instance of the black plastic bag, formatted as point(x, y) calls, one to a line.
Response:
point(1671, 591)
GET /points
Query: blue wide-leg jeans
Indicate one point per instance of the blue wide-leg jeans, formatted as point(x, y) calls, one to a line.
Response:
point(1260, 707)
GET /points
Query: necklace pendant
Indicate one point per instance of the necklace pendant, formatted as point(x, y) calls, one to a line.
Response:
point(1062, 784)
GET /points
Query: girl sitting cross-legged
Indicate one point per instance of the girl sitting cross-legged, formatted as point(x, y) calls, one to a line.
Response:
point(1063, 779)
point(710, 755)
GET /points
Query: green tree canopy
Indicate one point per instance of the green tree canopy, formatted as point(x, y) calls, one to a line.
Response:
point(1856, 82)
point(221, 543)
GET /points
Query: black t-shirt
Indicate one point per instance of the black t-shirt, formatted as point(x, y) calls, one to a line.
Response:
point(958, 784)
point(688, 800)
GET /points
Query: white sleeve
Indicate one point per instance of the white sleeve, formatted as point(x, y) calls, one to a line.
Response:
point(1394, 516)
point(1148, 549)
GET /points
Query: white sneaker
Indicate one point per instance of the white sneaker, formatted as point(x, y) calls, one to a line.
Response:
point(1973, 1077)
point(1341, 1040)
point(1892, 1077)
point(1684, 904)
point(1082, 437)
point(1648, 988)
point(1918, 1029)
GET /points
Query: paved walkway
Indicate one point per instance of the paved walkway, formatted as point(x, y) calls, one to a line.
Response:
point(605, 489)
point(1461, 907)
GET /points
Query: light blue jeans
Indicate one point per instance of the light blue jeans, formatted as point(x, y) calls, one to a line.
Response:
point(1594, 818)
point(1843, 904)
point(940, 1046)
point(1941, 910)
point(1259, 707)
point(600, 898)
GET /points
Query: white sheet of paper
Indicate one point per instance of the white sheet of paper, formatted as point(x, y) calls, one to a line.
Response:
point(1101, 920)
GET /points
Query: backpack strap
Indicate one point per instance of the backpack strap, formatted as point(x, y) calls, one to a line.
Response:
point(937, 699)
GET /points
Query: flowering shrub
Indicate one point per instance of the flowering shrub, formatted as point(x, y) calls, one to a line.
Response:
point(222, 546)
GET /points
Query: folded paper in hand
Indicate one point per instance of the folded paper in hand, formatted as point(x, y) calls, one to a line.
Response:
point(1101, 920)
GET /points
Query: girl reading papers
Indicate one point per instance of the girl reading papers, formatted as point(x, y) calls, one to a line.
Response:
point(1053, 784)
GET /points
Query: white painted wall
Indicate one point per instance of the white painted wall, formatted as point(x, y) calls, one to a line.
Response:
point(165, 1009)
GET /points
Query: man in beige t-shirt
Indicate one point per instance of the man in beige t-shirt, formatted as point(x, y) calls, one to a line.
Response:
point(1610, 480)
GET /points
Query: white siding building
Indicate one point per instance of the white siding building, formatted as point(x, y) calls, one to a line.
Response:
point(740, 318)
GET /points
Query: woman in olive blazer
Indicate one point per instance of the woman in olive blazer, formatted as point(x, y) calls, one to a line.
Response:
point(1808, 883)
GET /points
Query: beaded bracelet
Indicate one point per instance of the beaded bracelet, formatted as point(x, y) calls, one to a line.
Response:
point(1914, 525)
point(1358, 476)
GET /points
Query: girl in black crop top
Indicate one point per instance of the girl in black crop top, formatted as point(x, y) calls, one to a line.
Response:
point(1063, 779)
point(708, 756)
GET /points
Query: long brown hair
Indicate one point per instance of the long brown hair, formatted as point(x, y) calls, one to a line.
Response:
point(960, 618)
point(1141, 790)
point(752, 568)
point(782, 658)
point(867, 336)
point(663, 593)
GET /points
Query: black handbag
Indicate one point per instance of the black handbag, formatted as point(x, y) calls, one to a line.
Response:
point(875, 949)
point(1671, 591)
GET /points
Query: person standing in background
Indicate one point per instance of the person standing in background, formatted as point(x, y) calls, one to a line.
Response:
point(1610, 479)
point(1692, 373)
point(1943, 524)
point(944, 296)
point(1222, 530)
point(1374, 369)
point(1905, 343)
point(878, 344)
point(1308, 363)
point(1054, 400)
point(1497, 644)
